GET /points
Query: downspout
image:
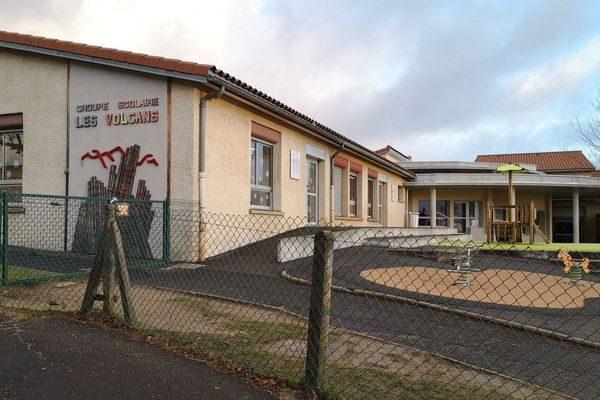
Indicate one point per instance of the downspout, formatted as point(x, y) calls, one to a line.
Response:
point(332, 189)
point(202, 169)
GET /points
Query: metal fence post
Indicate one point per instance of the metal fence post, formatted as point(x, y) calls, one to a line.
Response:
point(320, 306)
point(166, 232)
point(4, 239)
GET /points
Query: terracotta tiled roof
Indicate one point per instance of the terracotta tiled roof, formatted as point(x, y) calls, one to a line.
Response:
point(168, 64)
point(554, 161)
point(179, 66)
point(232, 79)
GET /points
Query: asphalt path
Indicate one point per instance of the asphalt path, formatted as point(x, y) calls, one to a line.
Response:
point(54, 358)
point(253, 274)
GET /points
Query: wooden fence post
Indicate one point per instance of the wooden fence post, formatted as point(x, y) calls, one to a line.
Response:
point(320, 306)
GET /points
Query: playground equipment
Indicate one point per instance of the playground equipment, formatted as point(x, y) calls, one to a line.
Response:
point(507, 230)
point(463, 262)
point(574, 268)
point(516, 218)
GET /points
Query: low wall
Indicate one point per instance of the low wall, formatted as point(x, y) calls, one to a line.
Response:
point(293, 248)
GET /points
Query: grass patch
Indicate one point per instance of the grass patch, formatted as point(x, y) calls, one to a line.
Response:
point(550, 247)
point(21, 274)
point(372, 383)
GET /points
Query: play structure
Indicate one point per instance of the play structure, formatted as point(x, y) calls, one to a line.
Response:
point(517, 220)
point(519, 223)
point(464, 263)
point(574, 268)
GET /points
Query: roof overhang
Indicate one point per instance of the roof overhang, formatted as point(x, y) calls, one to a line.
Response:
point(494, 179)
point(104, 62)
point(457, 165)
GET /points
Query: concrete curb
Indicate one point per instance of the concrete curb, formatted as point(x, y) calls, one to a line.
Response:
point(467, 314)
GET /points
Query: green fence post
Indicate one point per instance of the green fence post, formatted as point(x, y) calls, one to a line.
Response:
point(166, 232)
point(4, 239)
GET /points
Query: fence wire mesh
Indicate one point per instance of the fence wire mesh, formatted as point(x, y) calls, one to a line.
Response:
point(410, 315)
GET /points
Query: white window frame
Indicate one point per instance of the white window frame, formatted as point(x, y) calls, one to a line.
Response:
point(371, 188)
point(261, 188)
point(354, 202)
point(381, 188)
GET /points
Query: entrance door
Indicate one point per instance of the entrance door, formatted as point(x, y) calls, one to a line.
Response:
point(312, 190)
point(460, 216)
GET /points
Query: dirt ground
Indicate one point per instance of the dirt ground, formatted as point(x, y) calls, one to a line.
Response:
point(492, 286)
point(279, 334)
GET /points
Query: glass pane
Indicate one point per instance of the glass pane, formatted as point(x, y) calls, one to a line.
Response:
point(424, 211)
point(337, 190)
point(253, 162)
point(312, 208)
point(260, 198)
point(13, 145)
point(381, 195)
point(370, 191)
point(264, 165)
point(353, 191)
point(311, 176)
point(460, 210)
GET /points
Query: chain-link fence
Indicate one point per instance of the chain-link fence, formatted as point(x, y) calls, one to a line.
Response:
point(349, 312)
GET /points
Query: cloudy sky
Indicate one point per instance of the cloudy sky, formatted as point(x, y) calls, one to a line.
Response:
point(439, 80)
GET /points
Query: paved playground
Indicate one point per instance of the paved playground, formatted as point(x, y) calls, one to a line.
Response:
point(253, 274)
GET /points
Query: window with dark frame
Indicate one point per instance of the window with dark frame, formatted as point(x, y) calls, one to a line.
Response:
point(11, 154)
point(261, 175)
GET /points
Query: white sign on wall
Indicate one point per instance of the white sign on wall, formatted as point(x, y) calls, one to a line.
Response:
point(110, 111)
point(294, 164)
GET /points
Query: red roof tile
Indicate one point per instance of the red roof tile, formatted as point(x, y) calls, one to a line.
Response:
point(554, 161)
point(106, 53)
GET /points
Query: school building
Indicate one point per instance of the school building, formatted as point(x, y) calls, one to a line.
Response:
point(68, 111)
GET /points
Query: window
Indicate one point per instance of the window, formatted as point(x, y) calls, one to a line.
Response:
point(400, 194)
point(337, 190)
point(353, 189)
point(261, 175)
point(370, 197)
point(380, 203)
point(11, 152)
point(442, 207)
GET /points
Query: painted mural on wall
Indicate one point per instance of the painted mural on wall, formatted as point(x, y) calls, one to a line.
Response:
point(120, 184)
point(109, 112)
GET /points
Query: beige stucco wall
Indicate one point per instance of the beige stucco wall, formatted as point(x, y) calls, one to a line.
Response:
point(37, 87)
point(228, 135)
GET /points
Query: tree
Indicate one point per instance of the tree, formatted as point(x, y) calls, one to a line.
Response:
point(588, 129)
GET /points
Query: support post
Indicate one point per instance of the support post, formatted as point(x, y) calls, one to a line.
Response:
point(433, 206)
point(531, 222)
point(575, 215)
point(549, 217)
point(320, 306)
point(166, 204)
point(4, 238)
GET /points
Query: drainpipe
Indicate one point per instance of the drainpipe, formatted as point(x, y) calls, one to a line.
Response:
point(202, 169)
point(332, 189)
